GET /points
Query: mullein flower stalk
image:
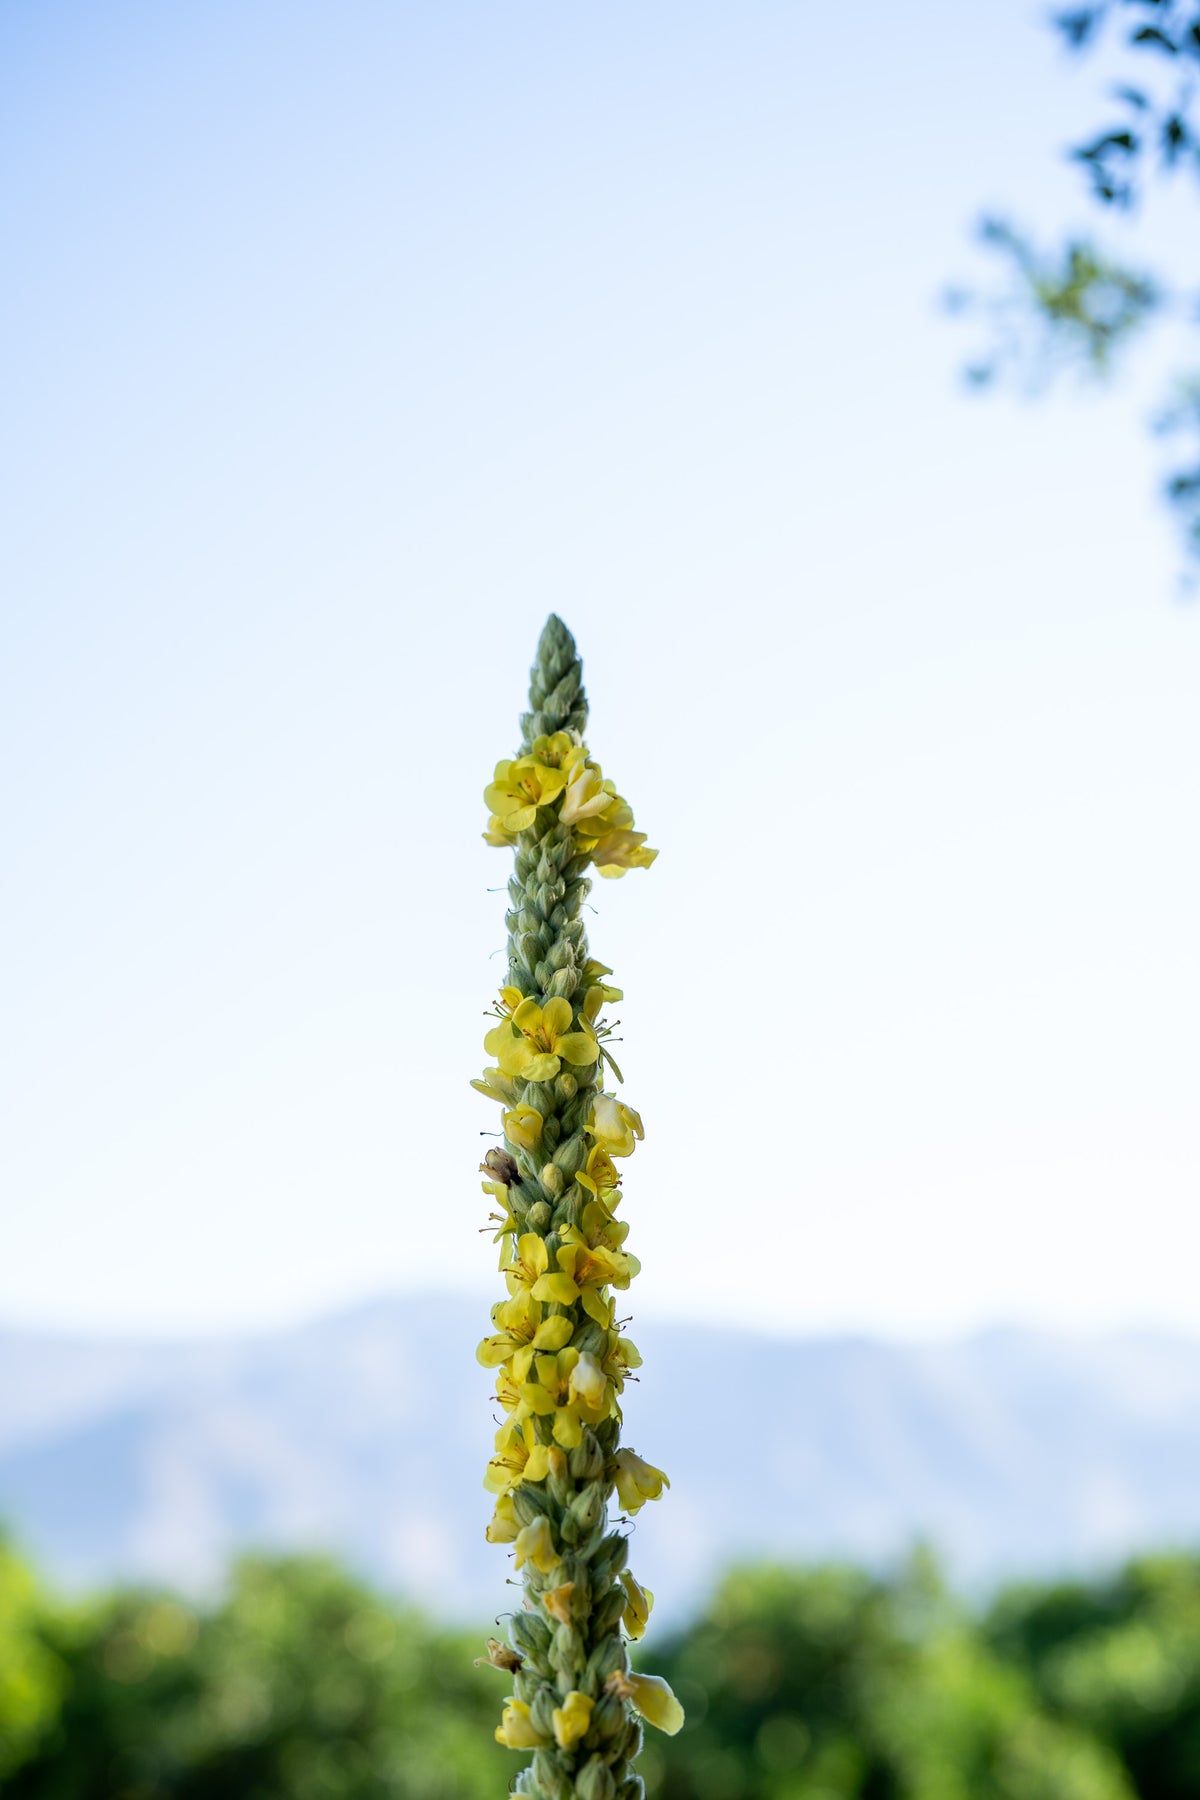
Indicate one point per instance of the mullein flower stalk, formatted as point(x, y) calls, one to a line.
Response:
point(557, 1347)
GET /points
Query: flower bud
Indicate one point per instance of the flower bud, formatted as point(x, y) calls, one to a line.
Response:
point(571, 1153)
point(565, 1086)
point(530, 1634)
point(557, 1602)
point(563, 983)
point(608, 1715)
point(587, 1459)
point(606, 1658)
point(595, 1780)
point(550, 1778)
point(552, 1179)
point(610, 1559)
point(567, 1650)
point(539, 1217)
point(541, 1712)
point(587, 1508)
point(607, 1612)
point(530, 945)
point(527, 1505)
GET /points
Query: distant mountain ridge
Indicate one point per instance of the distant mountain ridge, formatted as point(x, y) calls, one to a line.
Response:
point(366, 1433)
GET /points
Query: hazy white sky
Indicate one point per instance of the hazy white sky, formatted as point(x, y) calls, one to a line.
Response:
point(341, 345)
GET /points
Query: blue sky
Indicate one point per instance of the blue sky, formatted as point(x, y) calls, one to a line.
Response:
point(341, 345)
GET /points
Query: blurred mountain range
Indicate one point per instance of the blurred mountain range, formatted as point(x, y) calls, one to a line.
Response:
point(367, 1433)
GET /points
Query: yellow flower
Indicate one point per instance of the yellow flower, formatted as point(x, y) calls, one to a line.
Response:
point(638, 1606)
point(523, 1126)
point(521, 1326)
point(535, 1543)
point(637, 1481)
point(569, 1388)
point(504, 1220)
point(587, 792)
point(614, 1125)
point(582, 1269)
point(599, 1173)
point(533, 1044)
point(618, 851)
point(649, 1695)
point(503, 1525)
point(555, 751)
point(518, 788)
point(496, 1086)
point(519, 1457)
point(600, 1228)
point(572, 1718)
point(516, 1729)
point(587, 1387)
point(621, 1356)
point(593, 1265)
point(594, 983)
point(510, 999)
point(508, 1393)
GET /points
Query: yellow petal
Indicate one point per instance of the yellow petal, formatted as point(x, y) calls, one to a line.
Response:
point(559, 1288)
point(571, 1719)
point(532, 1251)
point(516, 1730)
point(578, 1047)
point(538, 1466)
point(566, 1428)
point(638, 1608)
point(652, 1697)
point(553, 1333)
point(535, 1543)
point(498, 1038)
point(596, 1307)
point(504, 1524)
point(528, 1016)
point(556, 1016)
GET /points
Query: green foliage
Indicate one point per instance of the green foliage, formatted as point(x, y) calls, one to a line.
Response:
point(1067, 308)
point(31, 1676)
point(300, 1685)
point(832, 1685)
point(1121, 1660)
point(1076, 306)
point(817, 1684)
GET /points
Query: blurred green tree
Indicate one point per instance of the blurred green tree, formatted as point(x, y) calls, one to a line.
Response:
point(834, 1685)
point(819, 1684)
point(32, 1678)
point(1076, 306)
point(1120, 1659)
point(300, 1685)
